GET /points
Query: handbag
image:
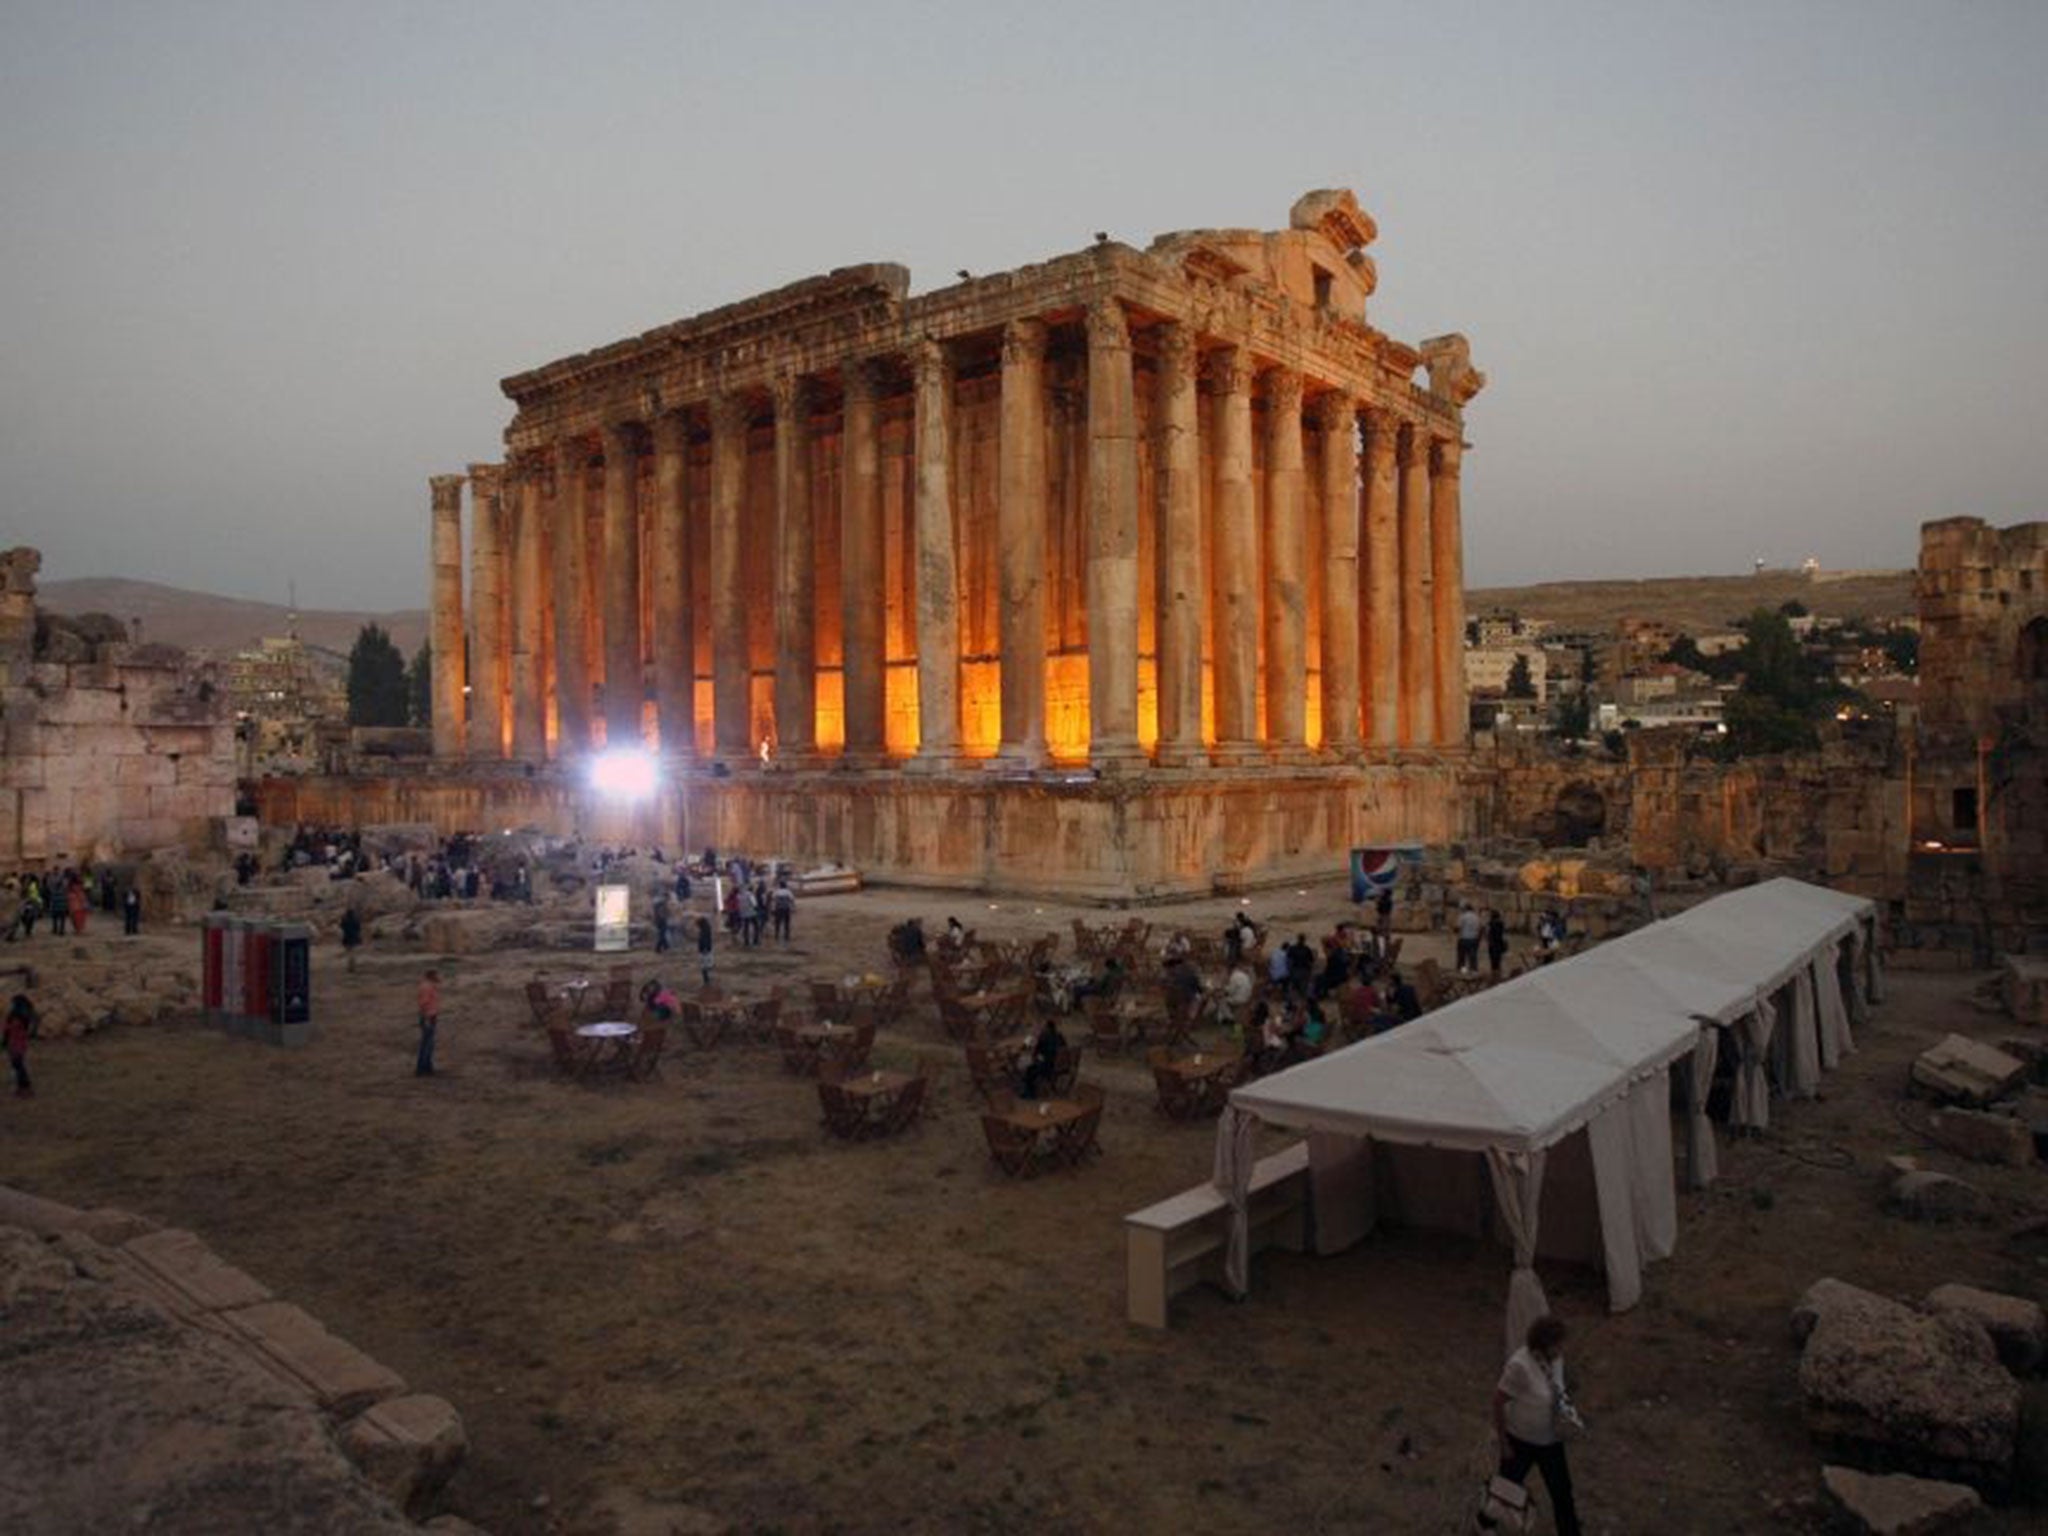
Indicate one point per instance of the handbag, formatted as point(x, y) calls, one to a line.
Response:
point(1566, 1422)
point(1504, 1505)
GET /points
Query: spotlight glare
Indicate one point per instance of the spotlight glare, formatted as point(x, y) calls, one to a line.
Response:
point(625, 773)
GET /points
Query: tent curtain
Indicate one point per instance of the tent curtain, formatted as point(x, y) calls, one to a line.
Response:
point(1340, 1178)
point(1702, 1162)
point(1836, 1040)
point(1873, 965)
point(1518, 1191)
point(1232, 1178)
point(1613, 1147)
point(1858, 995)
point(1752, 1107)
point(1652, 1192)
point(1804, 1056)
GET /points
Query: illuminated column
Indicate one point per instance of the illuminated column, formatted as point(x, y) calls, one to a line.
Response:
point(1447, 563)
point(1382, 579)
point(445, 632)
point(675, 660)
point(486, 670)
point(861, 567)
point(1112, 540)
point(796, 589)
point(528, 683)
point(1020, 541)
point(1418, 619)
point(1286, 605)
point(1236, 543)
point(729, 666)
point(625, 687)
point(1178, 465)
point(572, 623)
point(938, 581)
point(1339, 420)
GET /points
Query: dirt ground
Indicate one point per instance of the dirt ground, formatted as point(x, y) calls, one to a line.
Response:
point(679, 1306)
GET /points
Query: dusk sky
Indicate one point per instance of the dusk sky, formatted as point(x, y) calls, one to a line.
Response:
point(1749, 280)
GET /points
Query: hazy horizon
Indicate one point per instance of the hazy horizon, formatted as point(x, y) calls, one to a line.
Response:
point(1760, 281)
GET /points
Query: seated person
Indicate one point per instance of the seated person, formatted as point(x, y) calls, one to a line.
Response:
point(1360, 1005)
point(1335, 972)
point(1407, 1005)
point(1045, 1058)
point(1183, 982)
point(1179, 947)
point(1105, 986)
point(659, 1001)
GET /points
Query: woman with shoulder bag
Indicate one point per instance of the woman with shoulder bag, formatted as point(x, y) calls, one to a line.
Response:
point(1533, 1417)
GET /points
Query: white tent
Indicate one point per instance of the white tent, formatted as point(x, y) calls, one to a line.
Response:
point(1557, 1084)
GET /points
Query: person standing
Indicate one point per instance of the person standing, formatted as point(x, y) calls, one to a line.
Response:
point(782, 907)
point(1496, 941)
point(704, 957)
point(1530, 1408)
point(75, 899)
point(351, 935)
point(57, 906)
point(22, 1026)
point(1468, 940)
point(430, 1022)
point(131, 912)
point(1383, 915)
point(661, 911)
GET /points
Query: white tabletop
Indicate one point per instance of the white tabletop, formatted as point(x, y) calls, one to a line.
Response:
point(610, 1029)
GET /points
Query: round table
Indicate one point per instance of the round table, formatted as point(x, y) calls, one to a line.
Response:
point(609, 1035)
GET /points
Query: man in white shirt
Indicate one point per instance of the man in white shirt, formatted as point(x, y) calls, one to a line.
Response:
point(1525, 1419)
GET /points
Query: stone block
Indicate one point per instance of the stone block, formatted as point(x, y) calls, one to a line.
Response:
point(144, 768)
point(407, 1447)
point(1959, 1070)
point(199, 1277)
point(1985, 1137)
point(1897, 1505)
point(342, 1379)
point(1835, 1299)
point(1885, 1385)
point(2023, 984)
point(1935, 1197)
point(2018, 1327)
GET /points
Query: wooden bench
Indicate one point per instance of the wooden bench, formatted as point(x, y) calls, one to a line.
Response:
point(1175, 1245)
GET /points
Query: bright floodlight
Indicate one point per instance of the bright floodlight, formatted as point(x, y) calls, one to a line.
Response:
point(625, 773)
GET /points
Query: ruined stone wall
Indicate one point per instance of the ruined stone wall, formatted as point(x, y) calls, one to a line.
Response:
point(106, 748)
point(1097, 840)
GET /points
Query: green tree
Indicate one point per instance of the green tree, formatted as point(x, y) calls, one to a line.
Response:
point(1902, 649)
point(376, 679)
point(1572, 716)
point(1782, 693)
point(1520, 684)
point(419, 685)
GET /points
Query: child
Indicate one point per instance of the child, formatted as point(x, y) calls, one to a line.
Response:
point(430, 1020)
point(22, 1024)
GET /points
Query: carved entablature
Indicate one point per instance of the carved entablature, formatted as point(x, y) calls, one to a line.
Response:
point(1334, 212)
point(1451, 374)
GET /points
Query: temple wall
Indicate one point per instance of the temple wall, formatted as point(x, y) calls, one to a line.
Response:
point(1096, 840)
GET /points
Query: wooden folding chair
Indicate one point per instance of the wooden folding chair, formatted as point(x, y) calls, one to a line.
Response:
point(618, 998)
point(846, 1114)
point(1106, 1026)
point(646, 1062)
point(545, 1006)
point(1078, 1138)
point(1013, 1147)
point(908, 1106)
point(567, 1051)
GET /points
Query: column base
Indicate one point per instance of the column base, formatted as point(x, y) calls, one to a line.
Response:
point(936, 761)
point(1116, 756)
point(1292, 754)
point(863, 760)
point(1178, 755)
point(1238, 754)
point(1020, 757)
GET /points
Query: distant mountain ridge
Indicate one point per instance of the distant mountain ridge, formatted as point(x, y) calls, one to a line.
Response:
point(1702, 604)
point(222, 625)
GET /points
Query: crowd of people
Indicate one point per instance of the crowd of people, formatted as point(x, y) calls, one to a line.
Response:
point(67, 896)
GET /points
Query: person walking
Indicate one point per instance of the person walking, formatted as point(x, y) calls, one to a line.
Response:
point(1496, 941)
point(430, 1022)
point(351, 935)
point(782, 908)
point(131, 912)
point(23, 1025)
point(1532, 1414)
point(661, 914)
point(704, 957)
point(1468, 940)
point(56, 905)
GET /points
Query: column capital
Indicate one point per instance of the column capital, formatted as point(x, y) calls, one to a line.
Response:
point(791, 393)
point(620, 438)
point(1381, 429)
point(484, 479)
point(1227, 371)
point(447, 491)
point(1178, 354)
point(1335, 410)
point(857, 379)
point(1107, 325)
point(670, 431)
point(1283, 390)
point(1448, 457)
point(929, 360)
point(573, 449)
point(1414, 450)
point(731, 412)
point(1024, 341)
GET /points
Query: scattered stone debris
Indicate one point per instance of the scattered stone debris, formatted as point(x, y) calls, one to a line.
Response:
point(2023, 985)
point(1985, 1136)
point(1897, 1505)
point(1959, 1070)
point(1936, 1197)
point(2018, 1327)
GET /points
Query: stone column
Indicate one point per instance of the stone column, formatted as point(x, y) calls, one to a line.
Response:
point(572, 623)
point(796, 588)
point(1180, 577)
point(1418, 596)
point(1447, 564)
point(1286, 605)
point(729, 664)
point(1338, 417)
point(1382, 661)
point(529, 678)
point(938, 577)
point(675, 656)
point(487, 616)
point(445, 629)
point(1112, 540)
point(625, 687)
point(1236, 543)
point(862, 564)
point(1020, 542)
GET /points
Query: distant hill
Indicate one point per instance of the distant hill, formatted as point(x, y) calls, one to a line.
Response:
point(201, 621)
point(1701, 604)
